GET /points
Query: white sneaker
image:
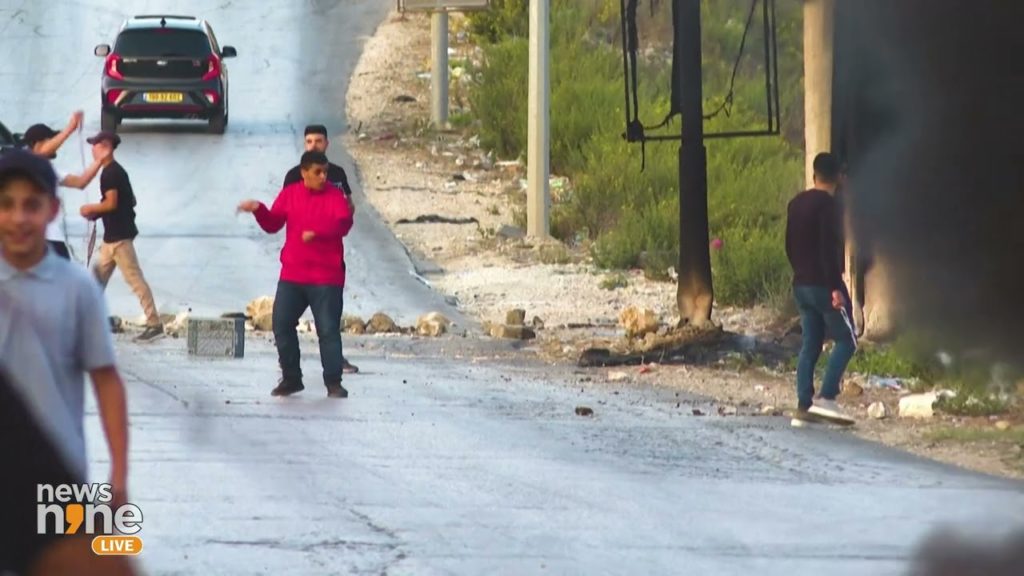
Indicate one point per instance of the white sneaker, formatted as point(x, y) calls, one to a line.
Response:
point(829, 410)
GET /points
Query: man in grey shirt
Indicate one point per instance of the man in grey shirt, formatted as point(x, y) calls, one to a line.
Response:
point(64, 305)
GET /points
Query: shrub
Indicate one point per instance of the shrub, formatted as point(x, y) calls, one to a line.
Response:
point(632, 216)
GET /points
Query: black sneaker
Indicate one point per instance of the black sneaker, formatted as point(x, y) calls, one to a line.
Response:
point(336, 390)
point(287, 388)
point(151, 333)
point(348, 367)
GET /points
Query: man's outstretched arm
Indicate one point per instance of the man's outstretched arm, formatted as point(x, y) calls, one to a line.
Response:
point(53, 144)
point(270, 220)
point(113, 408)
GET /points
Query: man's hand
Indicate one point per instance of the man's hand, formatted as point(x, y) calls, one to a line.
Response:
point(87, 211)
point(838, 300)
point(308, 236)
point(249, 206)
point(76, 120)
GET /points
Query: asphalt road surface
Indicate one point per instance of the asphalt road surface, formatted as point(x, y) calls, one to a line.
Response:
point(294, 61)
point(433, 466)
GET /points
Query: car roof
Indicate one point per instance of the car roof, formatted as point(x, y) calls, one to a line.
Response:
point(163, 20)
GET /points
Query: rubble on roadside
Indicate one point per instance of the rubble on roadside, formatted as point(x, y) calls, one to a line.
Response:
point(433, 324)
point(515, 327)
point(381, 323)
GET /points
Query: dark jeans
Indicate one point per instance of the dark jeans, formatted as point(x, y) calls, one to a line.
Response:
point(60, 248)
point(290, 303)
point(816, 316)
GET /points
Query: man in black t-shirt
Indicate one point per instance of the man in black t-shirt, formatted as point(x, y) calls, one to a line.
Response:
point(117, 210)
point(315, 140)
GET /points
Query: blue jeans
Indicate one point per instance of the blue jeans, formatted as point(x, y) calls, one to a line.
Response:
point(290, 303)
point(816, 316)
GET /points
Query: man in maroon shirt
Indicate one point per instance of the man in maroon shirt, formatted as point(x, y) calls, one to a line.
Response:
point(317, 216)
point(813, 239)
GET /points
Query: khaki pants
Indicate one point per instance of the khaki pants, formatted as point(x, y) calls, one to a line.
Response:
point(122, 255)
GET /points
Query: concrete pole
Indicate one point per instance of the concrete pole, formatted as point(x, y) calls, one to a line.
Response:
point(819, 19)
point(439, 92)
point(538, 196)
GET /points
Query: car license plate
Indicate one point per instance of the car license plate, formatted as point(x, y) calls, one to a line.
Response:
point(164, 97)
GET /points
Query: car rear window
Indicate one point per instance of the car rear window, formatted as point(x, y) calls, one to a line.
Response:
point(162, 43)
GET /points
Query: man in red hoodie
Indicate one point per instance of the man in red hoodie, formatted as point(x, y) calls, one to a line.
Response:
point(317, 217)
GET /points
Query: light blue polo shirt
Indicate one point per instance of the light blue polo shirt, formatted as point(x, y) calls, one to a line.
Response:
point(63, 302)
point(23, 360)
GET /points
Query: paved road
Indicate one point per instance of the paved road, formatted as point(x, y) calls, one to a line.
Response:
point(432, 467)
point(295, 58)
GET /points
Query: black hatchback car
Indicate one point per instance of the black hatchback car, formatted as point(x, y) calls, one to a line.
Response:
point(165, 67)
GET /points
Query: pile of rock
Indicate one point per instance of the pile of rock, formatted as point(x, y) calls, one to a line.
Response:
point(259, 312)
point(639, 322)
point(515, 327)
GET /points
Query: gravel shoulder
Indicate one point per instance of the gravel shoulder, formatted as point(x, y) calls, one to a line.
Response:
point(452, 204)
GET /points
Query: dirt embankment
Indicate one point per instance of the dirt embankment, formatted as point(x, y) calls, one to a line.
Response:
point(452, 203)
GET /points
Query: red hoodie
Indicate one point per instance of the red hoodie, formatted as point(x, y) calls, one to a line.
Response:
point(326, 213)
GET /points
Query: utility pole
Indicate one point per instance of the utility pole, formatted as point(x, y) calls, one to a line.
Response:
point(819, 27)
point(538, 116)
point(439, 92)
point(694, 293)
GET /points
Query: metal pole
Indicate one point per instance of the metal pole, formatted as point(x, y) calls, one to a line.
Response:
point(538, 145)
point(694, 294)
point(439, 93)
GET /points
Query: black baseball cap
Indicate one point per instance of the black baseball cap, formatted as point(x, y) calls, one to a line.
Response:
point(37, 168)
point(37, 133)
point(105, 136)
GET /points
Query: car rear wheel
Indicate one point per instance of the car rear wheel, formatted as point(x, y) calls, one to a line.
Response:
point(219, 121)
point(109, 121)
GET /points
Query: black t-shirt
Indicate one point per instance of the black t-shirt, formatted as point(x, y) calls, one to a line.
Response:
point(335, 175)
point(119, 224)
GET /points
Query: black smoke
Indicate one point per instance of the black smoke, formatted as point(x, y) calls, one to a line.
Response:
point(929, 104)
point(948, 553)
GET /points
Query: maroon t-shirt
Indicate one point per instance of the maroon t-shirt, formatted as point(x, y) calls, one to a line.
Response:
point(814, 240)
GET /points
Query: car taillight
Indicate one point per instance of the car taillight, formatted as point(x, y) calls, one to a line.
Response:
point(211, 96)
point(213, 68)
point(111, 67)
point(113, 95)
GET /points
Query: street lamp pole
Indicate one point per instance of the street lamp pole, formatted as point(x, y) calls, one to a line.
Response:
point(538, 117)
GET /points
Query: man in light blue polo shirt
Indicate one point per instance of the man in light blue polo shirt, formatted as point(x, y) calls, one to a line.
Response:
point(63, 303)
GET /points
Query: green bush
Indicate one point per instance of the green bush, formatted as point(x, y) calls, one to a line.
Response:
point(898, 360)
point(499, 99)
point(632, 216)
point(750, 267)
